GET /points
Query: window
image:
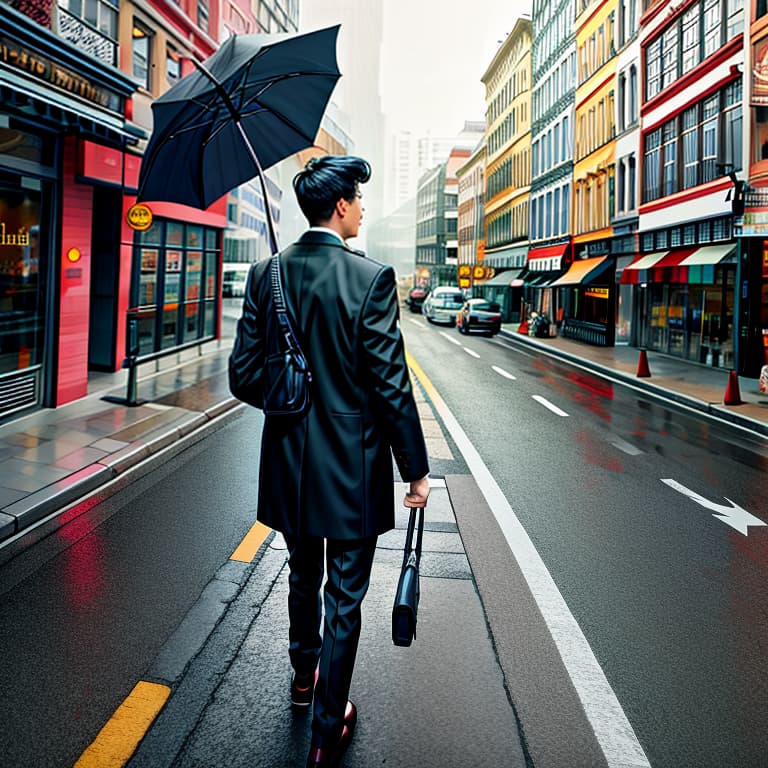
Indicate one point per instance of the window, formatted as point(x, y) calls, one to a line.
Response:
point(670, 158)
point(669, 48)
point(734, 11)
point(653, 69)
point(622, 100)
point(633, 94)
point(172, 66)
point(691, 43)
point(175, 284)
point(732, 151)
point(631, 183)
point(142, 51)
point(712, 26)
point(690, 146)
point(709, 136)
point(651, 165)
point(621, 187)
point(203, 15)
point(565, 208)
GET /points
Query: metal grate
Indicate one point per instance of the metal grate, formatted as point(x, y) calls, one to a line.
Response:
point(18, 391)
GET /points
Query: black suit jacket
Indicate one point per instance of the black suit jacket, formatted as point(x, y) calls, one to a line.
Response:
point(329, 474)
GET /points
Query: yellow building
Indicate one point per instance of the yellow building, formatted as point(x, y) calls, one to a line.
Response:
point(508, 149)
point(595, 127)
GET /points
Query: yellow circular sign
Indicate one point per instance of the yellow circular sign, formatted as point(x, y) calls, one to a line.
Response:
point(73, 255)
point(139, 217)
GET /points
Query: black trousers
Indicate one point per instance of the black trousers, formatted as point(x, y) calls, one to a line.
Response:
point(348, 576)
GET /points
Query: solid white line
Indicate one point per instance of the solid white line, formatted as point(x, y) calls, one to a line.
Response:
point(547, 404)
point(450, 338)
point(612, 729)
point(503, 373)
point(471, 352)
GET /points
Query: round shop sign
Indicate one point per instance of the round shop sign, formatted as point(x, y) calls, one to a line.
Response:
point(139, 217)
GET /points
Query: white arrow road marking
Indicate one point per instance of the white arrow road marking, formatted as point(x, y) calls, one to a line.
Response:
point(552, 407)
point(503, 373)
point(734, 515)
point(450, 338)
point(471, 352)
point(418, 323)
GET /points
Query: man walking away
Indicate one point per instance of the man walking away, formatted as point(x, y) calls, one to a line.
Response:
point(325, 479)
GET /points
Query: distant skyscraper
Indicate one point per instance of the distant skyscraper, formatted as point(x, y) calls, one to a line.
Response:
point(357, 93)
point(411, 157)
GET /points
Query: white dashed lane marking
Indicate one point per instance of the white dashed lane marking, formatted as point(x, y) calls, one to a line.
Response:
point(552, 407)
point(503, 373)
point(450, 338)
point(417, 323)
point(472, 353)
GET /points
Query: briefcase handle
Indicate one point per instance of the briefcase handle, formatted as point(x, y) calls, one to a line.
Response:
point(409, 534)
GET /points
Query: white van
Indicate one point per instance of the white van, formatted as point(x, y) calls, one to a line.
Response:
point(233, 280)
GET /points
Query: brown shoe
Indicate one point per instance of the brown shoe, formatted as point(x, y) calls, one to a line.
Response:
point(329, 757)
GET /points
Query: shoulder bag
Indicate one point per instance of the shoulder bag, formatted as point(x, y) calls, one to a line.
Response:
point(286, 378)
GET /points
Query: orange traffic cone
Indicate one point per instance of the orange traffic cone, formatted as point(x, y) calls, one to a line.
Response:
point(643, 371)
point(732, 394)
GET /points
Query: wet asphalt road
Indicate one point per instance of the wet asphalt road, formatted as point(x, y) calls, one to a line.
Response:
point(671, 599)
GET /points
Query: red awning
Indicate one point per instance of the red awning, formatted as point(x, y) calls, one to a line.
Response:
point(547, 259)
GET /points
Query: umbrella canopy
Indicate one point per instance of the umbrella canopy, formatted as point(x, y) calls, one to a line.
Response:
point(257, 100)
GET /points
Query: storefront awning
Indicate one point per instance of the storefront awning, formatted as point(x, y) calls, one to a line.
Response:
point(539, 279)
point(646, 260)
point(547, 259)
point(711, 254)
point(583, 271)
point(504, 279)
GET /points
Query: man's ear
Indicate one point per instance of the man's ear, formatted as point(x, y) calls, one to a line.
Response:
point(342, 206)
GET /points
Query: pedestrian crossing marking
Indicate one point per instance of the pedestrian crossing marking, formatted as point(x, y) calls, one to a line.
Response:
point(121, 734)
point(250, 544)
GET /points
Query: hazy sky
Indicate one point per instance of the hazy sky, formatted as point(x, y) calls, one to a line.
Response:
point(433, 55)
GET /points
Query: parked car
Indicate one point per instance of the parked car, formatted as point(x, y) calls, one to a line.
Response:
point(442, 304)
point(416, 298)
point(233, 279)
point(479, 315)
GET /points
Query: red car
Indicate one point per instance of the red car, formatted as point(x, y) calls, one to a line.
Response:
point(479, 315)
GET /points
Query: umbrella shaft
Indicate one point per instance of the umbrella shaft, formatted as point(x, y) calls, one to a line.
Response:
point(260, 174)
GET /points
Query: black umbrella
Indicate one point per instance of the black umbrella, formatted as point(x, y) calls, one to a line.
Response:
point(257, 100)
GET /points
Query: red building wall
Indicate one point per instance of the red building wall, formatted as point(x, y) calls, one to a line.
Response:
point(75, 292)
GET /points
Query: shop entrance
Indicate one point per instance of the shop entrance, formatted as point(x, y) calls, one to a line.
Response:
point(105, 271)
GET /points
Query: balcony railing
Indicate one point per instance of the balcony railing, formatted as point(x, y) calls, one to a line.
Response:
point(87, 38)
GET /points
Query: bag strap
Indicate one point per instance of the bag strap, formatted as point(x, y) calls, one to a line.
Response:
point(278, 299)
point(409, 534)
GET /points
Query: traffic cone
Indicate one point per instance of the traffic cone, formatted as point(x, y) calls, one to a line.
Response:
point(643, 371)
point(732, 393)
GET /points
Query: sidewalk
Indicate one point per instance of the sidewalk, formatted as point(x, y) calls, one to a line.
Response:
point(440, 702)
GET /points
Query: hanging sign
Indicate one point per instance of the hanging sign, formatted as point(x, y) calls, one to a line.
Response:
point(139, 217)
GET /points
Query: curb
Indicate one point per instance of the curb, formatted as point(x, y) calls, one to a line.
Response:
point(716, 410)
point(21, 515)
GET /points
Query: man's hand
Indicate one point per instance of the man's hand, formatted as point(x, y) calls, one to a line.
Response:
point(418, 493)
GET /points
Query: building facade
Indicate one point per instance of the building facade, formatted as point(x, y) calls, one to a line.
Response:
point(552, 129)
point(508, 149)
point(692, 139)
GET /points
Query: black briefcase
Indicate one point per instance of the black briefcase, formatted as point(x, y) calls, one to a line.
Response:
point(406, 606)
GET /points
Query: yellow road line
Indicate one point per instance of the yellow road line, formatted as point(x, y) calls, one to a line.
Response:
point(429, 387)
point(118, 739)
point(249, 546)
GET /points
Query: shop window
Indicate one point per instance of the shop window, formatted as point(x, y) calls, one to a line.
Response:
point(662, 240)
point(21, 285)
point(689, 234)
point(705, 231)
point(175, 285)
point(675, 238)
point(172, 66)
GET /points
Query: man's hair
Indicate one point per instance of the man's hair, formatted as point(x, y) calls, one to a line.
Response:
point(325, 180)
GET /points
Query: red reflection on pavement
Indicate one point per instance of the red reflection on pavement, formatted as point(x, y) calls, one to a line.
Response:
point(597, 453)
point(83, 567)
